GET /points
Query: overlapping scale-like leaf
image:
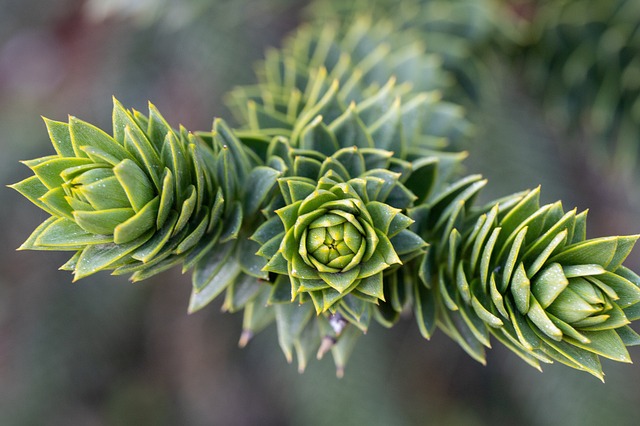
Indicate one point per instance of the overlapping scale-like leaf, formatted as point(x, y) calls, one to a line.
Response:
point(353, 83)
point(527, 275)
point(317, 213)
point(456, 31)
point(137, 202)
point(339, 230)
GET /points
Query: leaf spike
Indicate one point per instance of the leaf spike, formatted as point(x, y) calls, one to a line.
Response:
point(325, 346)
point(245, 337)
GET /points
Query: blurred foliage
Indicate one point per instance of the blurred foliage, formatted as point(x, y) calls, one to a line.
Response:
point(580, 59)
point(107, 352)
point(459, 31)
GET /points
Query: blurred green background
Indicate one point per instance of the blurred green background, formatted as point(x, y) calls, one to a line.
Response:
point(106, 352)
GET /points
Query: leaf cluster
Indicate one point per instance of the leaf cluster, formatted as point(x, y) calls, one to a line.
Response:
point(340, 201)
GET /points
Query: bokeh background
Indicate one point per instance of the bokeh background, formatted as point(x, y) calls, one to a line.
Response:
point(104, 351)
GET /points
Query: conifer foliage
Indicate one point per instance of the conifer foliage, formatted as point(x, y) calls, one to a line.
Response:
point(339, 201)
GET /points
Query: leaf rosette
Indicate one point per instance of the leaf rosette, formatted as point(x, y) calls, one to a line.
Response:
point(528, 275)
point(137, 202)
point(338, 235)
point(335, 239)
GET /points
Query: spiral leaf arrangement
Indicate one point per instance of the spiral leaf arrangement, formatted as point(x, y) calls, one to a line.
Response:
point(340, 229)
point(527, 275)
point(338, 201)
point(138, 201)
point(455, 31)
point(369, 70)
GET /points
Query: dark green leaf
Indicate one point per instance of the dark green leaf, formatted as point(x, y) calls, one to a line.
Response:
point(194, 236)
point(406, 242)
point(629, 336)
point(98, 257)
point(187, 208)
point(259, 185)
point(291, 320)
point(152, 247)
point(209, 269)
point(350, 131)
point(233, 223)
point(251, 263)
point(317, 136)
